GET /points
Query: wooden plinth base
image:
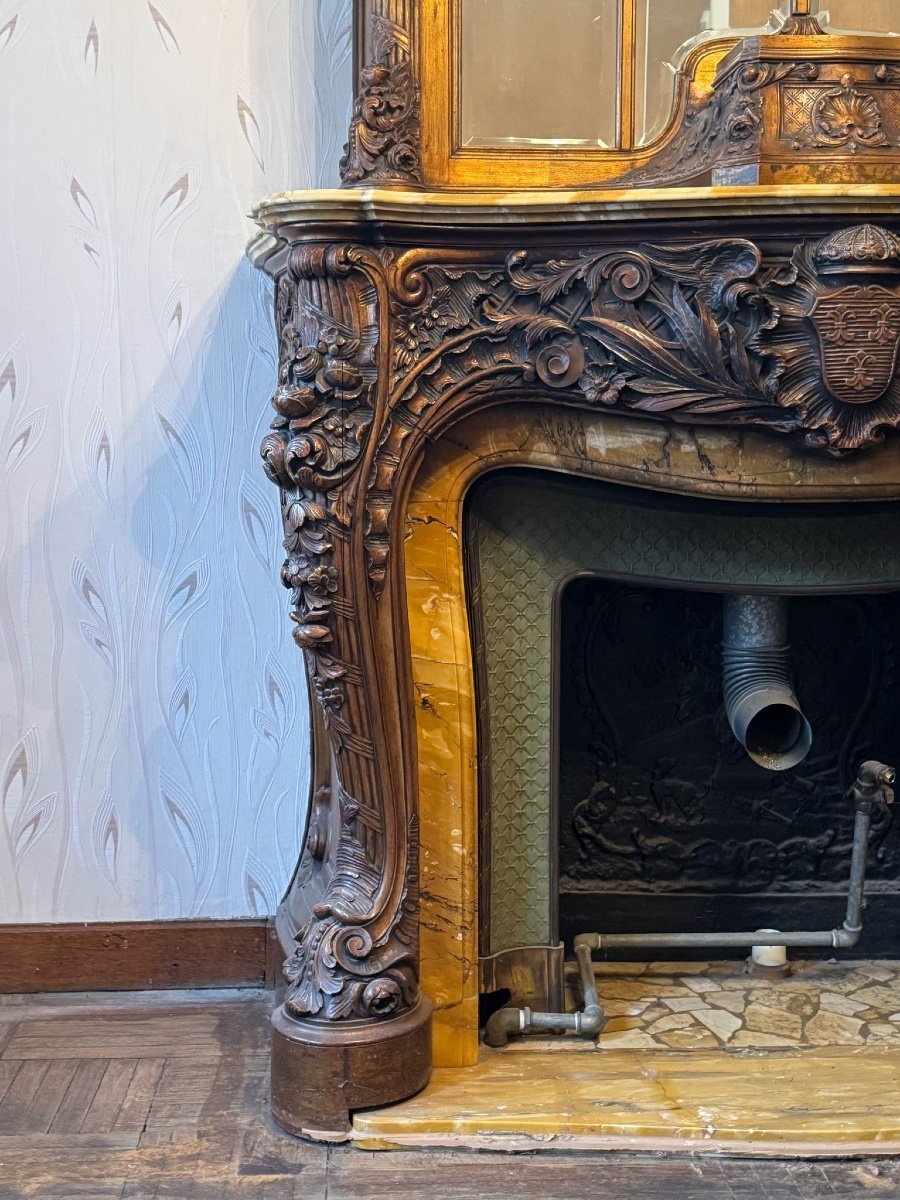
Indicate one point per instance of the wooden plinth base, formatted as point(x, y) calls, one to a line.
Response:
point(322, 1072)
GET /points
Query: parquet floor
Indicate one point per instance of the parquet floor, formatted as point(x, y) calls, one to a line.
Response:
point(163, 1095)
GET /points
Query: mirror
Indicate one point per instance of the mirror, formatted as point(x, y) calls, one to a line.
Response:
point(600, 73)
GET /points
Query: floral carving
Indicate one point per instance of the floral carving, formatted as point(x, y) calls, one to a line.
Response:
point(690, 332)
point(349, 961)
point(380, 351)
point(323, 412)
point(384, 140)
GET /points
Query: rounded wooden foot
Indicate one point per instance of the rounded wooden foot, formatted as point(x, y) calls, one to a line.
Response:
point(323, 1071)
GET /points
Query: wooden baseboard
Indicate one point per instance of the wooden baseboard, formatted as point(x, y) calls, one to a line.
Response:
point(137, 955)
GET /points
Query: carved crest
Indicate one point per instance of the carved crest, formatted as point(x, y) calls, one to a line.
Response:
point(859, 335)
point(839, 336)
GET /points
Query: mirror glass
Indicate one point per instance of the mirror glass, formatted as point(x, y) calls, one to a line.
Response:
point(665, 30)
point(538, 71)
point(860, 16)
point(548, 73)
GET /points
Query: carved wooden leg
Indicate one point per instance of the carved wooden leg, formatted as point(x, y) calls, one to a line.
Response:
point(353, 1031)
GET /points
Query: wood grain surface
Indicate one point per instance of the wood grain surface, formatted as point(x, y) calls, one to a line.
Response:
point(164, 1095)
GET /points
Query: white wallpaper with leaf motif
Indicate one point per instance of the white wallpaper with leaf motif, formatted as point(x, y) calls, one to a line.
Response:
point(153, 722)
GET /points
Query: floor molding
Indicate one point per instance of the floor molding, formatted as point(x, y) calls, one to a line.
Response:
point(137, 955)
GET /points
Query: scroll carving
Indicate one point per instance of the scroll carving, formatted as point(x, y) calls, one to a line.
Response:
point(356, 957)
point(384, 140)
point(380, 350)
point(719, 128)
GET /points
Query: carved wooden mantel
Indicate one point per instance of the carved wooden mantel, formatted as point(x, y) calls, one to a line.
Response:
point(400, 315)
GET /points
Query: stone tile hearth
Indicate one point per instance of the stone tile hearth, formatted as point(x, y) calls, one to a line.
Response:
point(720, 1005)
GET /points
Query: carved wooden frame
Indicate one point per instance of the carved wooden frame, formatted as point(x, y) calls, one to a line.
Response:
point(383, 349)
point(808, 106)
point(404, 128)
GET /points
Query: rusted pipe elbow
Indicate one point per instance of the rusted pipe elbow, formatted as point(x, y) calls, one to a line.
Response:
point(504, 1022)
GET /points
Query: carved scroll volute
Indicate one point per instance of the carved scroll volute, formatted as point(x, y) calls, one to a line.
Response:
point(384, 142)
point(357, 957)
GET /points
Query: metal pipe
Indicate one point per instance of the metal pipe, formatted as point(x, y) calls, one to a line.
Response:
point(760, 703)
point(872, 786)
point(586, 1023)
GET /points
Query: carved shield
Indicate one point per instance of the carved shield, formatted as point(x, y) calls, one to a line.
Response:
point(859, 336)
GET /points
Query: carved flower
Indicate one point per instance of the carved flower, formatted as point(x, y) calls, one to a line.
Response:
point(293, 571)
point(322, 580)
point(341, 378)
point(309, 637)
point(381, 997)
point(603, 384)
point(294, 402)
point(329, 695)
point(420, 328)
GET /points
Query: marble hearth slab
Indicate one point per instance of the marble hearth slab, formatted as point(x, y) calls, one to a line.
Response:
point(833, 1101)
point(695, 1056)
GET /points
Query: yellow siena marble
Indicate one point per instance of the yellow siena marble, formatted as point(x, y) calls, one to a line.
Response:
point(704, 461)
point(419, 211)
point(443, 691)
point(834, 1101)
point(715, 462)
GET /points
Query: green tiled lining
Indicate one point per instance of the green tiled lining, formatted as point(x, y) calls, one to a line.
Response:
point(530, 533)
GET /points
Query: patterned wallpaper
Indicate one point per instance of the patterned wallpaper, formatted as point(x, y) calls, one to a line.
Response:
point(153, 724)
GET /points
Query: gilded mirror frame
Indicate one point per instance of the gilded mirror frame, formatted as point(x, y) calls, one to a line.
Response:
point(406, 123)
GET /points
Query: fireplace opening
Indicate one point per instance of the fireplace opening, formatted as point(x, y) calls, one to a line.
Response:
point(665, 821)
point(622, 789)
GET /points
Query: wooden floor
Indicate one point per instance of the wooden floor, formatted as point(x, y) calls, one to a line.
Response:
point(164, 1095)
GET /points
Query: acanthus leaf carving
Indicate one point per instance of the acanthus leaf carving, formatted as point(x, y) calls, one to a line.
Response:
point(337, 970)
point(692, 331)
point(384, 140)
point(717, 128)
point(378, 351)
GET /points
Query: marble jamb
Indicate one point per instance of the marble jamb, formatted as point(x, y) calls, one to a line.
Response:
point(705, 461)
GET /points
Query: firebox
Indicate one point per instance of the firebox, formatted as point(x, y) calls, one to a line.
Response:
point(615, 793)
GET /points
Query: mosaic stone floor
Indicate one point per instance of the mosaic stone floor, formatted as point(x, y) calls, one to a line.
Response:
point(713, 1005)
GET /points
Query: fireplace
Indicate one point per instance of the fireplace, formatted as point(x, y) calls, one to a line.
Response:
point(614, 794)
point(589, 501)
point(408, 376)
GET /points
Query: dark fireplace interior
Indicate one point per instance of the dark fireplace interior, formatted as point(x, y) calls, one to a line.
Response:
point(664, 821)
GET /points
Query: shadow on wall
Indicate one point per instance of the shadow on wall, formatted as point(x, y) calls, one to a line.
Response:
point(153, 724)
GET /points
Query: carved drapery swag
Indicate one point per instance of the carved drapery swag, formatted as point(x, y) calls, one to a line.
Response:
point(378, 350)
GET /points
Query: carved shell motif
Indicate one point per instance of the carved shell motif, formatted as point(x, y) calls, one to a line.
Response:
point(845, 116)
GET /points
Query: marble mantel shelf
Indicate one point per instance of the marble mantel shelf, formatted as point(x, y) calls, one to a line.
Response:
point(337, 213)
